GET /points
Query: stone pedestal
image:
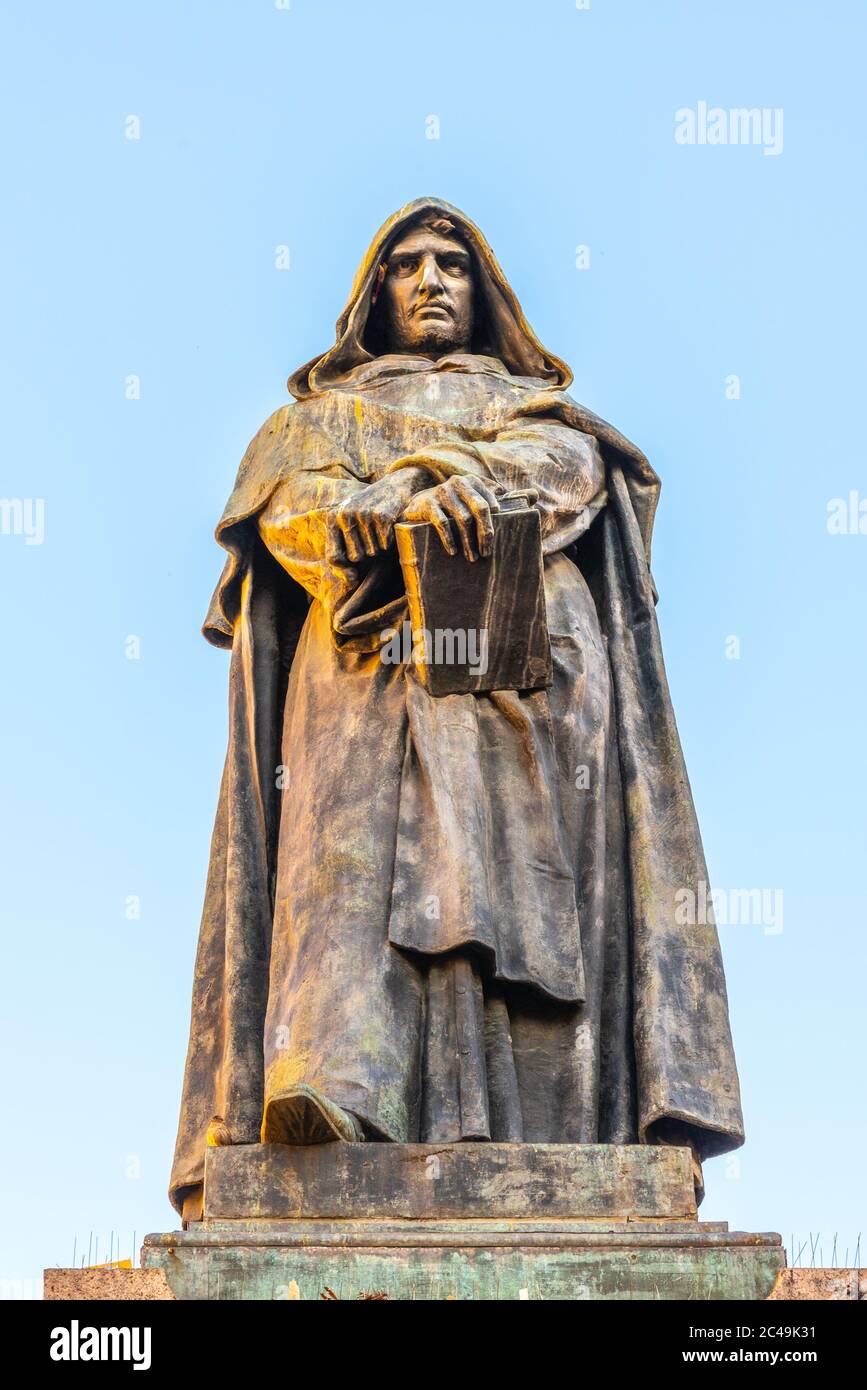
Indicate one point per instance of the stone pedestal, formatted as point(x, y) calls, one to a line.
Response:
point(458, 1221)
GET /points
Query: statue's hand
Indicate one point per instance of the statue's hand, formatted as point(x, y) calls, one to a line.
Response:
point(364, 523)
point(463, 501)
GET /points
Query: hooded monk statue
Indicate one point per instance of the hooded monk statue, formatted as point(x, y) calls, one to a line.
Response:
point(433, 918)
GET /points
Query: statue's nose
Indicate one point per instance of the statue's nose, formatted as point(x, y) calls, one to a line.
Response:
point(429, 279)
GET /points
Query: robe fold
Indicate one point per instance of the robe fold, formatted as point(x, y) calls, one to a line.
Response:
point(455, 917)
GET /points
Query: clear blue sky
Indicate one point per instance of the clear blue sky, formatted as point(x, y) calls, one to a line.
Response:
point(305, 127)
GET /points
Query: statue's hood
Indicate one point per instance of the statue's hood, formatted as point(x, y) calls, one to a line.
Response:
point(502, 331)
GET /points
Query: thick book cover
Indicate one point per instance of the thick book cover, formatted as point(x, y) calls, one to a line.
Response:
point(478, 625)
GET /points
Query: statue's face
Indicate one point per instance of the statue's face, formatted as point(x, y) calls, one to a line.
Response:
point(427, 294)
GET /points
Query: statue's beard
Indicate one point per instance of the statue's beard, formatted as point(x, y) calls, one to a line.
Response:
point(440, 338)
point(435, 337)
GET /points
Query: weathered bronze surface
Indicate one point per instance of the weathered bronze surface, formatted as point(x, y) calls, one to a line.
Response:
point(441, 918)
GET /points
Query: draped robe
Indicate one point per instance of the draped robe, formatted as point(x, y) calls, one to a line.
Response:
point(454, 917)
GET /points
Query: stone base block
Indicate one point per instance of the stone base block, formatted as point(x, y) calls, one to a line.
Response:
point(457, 1221)
point(471, 1260)
point(380, 1182)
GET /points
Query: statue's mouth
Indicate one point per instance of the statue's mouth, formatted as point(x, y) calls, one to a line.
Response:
point(433, 309)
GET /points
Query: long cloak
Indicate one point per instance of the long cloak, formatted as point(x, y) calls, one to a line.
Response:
point(632, 1030)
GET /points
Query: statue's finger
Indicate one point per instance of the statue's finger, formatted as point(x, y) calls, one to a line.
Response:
point(364, 526)
point(480, 488)
point(335, 547)
point(484, 529)
point(442, 527)
point(384, 528)
point(480, 508)
point(354, 548)
point(464, 521)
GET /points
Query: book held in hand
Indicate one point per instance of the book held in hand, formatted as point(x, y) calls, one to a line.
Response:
point(478, 625)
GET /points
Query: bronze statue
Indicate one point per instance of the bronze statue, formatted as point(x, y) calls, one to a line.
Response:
point(440, 918)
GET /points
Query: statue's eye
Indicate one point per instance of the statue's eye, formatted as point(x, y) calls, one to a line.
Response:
point(453, 266)
point(404, 265)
